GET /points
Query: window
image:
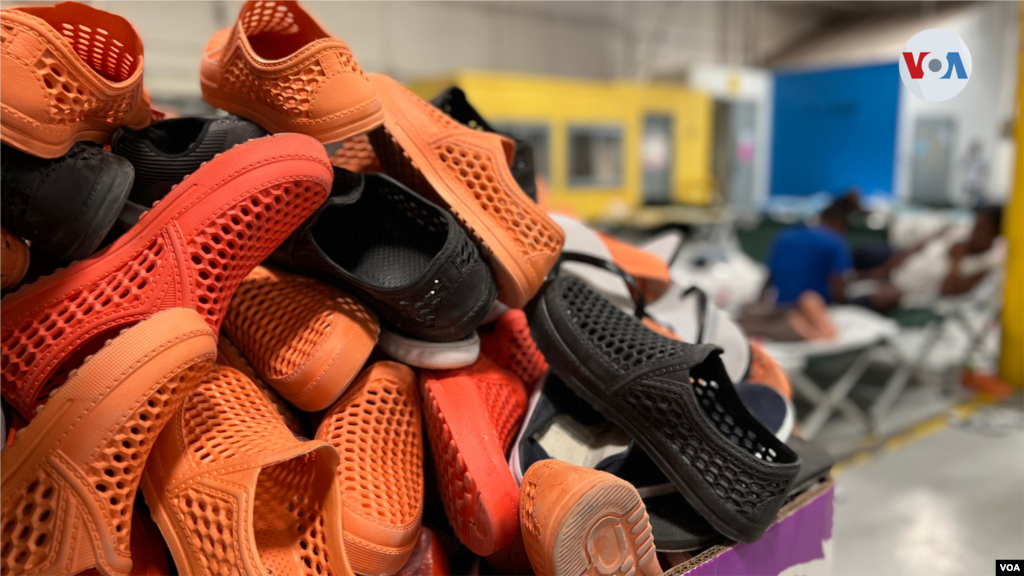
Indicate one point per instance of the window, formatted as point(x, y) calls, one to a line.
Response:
point(534, 134)
point(595, 156)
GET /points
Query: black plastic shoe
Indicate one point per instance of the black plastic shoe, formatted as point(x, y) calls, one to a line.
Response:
point(674, 399)
point(167, 151)
point(405, 257)
point(64, 206)
point(676, 526)
point(453, 102)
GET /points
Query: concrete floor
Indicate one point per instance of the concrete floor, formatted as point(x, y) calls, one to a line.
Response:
point(949, 504)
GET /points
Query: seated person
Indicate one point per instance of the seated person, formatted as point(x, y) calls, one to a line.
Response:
point(948, 267)
point(809, 267)
point(814, 258)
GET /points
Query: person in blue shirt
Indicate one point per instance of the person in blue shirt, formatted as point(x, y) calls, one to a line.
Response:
point(814, 258)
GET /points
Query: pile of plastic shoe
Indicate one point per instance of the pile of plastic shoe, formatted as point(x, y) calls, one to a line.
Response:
point(389, 359)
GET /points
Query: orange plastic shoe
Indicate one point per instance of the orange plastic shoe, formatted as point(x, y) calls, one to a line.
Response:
point(511, 347)
point(280, 69)
point(356, 155)
point(580, 521)
point(71, 73)
point(69, 481)
point(651, 273)
point(764, 370)
point(233, 492)
point(192, 250)
point(304, 338)
point(229, 355)
point(473, 415)
point(14, 258)
point(149, 552)
point(376, 428)
point(468, 171)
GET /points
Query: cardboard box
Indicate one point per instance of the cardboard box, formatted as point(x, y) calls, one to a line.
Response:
point(798, 544)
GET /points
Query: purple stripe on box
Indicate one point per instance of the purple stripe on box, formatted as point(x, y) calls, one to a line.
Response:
point(797, 539)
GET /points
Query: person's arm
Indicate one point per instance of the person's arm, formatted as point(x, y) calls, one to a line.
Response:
point(882, 272)
point(955, 283)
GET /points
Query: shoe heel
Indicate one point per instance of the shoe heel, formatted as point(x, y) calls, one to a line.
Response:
point(608, 530)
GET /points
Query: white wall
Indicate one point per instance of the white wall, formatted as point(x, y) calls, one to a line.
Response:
point(984, 107)
point(757, 86)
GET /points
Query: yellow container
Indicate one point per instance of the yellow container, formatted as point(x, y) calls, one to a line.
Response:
point(564, 106)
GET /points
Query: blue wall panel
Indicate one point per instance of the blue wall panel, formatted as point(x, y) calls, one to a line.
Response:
point(835, 129)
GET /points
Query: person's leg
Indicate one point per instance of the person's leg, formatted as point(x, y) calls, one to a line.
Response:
point(813, 307)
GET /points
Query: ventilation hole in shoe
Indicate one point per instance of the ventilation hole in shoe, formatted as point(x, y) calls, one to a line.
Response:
point(531, 231)
point(376, 430)
point(275, 211)
point(229, 355)
point(265, 17)
point(107, 470)
point(26, 541)
point(281, 338)
point(211, 529)
point(288, 517)
point(511, 346)
point(104, 54)
point(289, 93)
point(124, 288)
point(627, 344)
point(228, 417)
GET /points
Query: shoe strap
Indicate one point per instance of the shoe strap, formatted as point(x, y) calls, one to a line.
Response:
point(631, 283)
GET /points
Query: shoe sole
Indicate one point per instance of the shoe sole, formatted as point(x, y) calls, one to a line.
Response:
point(431, 355)
point(240, 178)
point(410, 158)
point(125, 393)
point(557, 352)
point(605, 531)
point(38, 147)
point(369, 116)
point(480, 497)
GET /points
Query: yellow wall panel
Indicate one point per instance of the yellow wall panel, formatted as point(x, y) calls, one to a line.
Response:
point(1011, 367)
point(559, 103)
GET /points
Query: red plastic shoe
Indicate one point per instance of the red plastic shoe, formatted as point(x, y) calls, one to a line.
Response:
point(511, 347)
point(191, 250)
point(473, 415)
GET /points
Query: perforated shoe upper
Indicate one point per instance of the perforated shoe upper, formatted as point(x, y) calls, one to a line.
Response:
point(399, 253)
point(376, 427)
point(306, 339)
point(191, 250)
point(469, 171)
point(673, 398)
point(71, 72)
point(278, 67)
point(244, 495)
